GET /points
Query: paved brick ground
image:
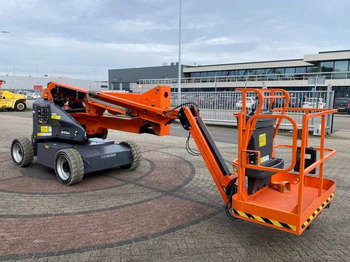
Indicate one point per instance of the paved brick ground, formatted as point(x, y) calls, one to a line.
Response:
point(167, 210)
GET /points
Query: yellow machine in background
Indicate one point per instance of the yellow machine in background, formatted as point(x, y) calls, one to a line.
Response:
point(9, 100)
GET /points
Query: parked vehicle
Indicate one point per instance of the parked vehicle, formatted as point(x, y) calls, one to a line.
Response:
point(293, 102)
point(32, 95)
point(209, 101)
point(226, 101)
point(314, 102)
point(250, 103)
point(342, 104)
point(9, 100)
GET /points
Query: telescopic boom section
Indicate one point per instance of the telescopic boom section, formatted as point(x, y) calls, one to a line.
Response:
point(141, 113)
point(136, 113)
point(223, 178)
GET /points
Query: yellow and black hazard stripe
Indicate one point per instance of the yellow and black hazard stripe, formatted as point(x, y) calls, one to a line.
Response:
point(265, 220)
point(317, 211)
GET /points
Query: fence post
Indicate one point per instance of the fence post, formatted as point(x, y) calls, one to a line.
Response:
point(329, 104)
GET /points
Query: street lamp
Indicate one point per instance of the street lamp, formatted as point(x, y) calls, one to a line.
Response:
point(179, 64)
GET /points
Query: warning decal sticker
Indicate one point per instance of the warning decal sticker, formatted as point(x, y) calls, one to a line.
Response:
point(262, 140)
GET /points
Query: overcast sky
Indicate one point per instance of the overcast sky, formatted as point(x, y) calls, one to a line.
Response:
point(83, 39)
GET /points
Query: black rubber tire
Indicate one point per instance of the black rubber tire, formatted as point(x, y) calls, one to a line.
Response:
point(20, 106)
point(136, 155)
point(22, 152)
point(69, 166)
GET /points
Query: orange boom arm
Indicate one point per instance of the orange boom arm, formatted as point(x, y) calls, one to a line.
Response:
point(97, 111)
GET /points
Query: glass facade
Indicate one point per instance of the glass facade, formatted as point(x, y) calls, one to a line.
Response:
point(300, 70)
point(311, 69)
point(340, 69)
point(327, 66)
point(260, 71)
point(289, 73)
point(340, 66)
point(342, 91)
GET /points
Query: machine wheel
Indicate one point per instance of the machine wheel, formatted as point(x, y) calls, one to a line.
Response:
point(20, 106)
point(69, 166)
point(22, 151)
point(136, 155)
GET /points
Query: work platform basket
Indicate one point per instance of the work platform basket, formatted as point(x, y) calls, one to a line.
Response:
point(286, 198)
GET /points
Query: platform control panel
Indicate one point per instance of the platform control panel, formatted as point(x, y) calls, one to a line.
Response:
point(51, 121)
point(43, 113)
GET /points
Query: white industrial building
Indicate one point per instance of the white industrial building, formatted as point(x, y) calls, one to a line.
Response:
point(314, 71)
point(27, 83)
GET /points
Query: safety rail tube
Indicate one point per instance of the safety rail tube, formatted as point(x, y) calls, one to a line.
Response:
point(322, 158)
point(261, 97)
point(294, 144)
point(319, 163)
point(245, 130)
point(241, 157)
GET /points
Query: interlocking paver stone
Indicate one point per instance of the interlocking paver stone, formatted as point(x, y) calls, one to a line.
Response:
point(167, 210)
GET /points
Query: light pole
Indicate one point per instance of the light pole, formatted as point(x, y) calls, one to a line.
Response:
point(179, 64)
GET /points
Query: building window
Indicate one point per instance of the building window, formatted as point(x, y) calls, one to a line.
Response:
point(271, 72)
point(300, 70)
point(260, 71)
point(342, 91)
point(290, 70)
point(327, 66)
point(279, 70)
point(311, 69)
point(289, 73)
point(340, 66)
point(251, 72)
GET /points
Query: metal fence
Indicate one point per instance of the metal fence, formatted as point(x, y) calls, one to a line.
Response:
point(219, 107)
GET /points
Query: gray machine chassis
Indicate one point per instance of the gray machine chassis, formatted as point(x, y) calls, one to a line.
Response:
point(97, 154)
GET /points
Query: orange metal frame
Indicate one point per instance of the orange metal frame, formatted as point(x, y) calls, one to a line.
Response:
point(295, 209)
point(143, 109)
point(290, 211)
point(148, 108)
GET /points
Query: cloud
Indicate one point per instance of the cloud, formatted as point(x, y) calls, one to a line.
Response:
point(217, 41)
point(74, 37)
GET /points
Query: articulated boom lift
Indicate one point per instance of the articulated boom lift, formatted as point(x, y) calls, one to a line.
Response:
point(70, 126)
